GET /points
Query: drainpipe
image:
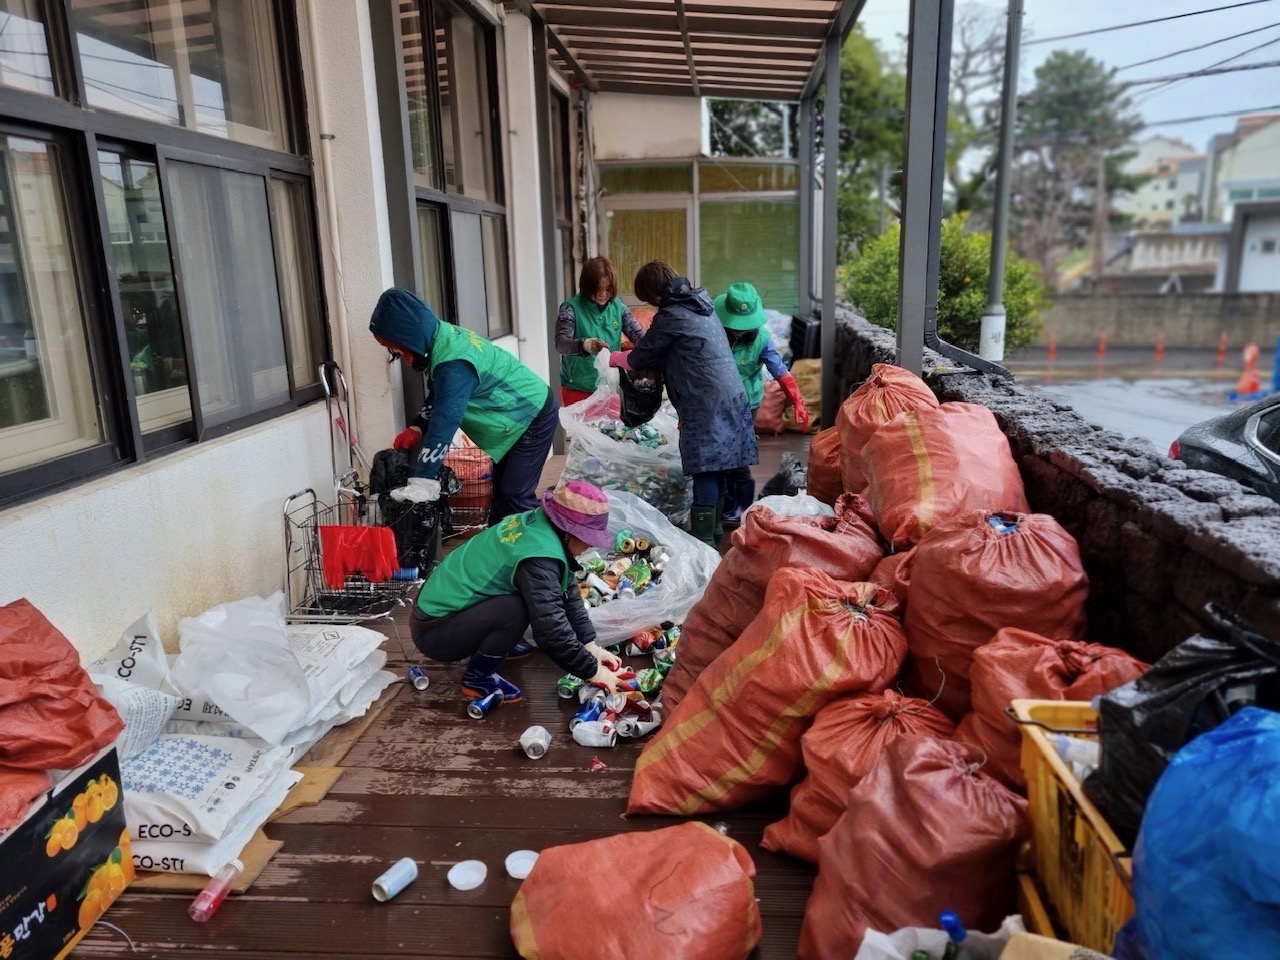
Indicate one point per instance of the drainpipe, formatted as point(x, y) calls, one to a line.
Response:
point(991, 339)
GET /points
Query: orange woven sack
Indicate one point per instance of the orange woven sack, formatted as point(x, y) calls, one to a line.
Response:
point(736, 736)
point(894, 572)
point(970, 580)
point(924, 832)
point(926, 466)
point(824, 466)
point(845, 547)
point(682, 893)
point(888, 392)
point(769, 420)
point(1019, 664)
point(844, 744)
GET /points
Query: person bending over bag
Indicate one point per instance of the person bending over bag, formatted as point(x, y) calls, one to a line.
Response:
point(478, 602)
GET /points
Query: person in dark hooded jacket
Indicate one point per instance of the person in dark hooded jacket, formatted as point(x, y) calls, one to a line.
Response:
point(502, 405)
point(687, 344)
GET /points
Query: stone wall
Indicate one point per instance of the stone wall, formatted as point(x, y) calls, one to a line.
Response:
point(1188, 319)
point(1158, 540)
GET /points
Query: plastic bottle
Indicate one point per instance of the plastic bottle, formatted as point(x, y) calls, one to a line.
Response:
point(950, 922)
point(1086, 753)
point(215, 891)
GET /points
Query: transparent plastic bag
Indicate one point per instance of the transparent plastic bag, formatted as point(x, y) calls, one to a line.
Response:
point(900, 944)
point(802, 505)
point(652, 473)
point(686, 575)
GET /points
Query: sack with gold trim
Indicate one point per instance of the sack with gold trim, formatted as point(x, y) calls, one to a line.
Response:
point(886, 393)
point(824, 466)
point(735, 737)
point(926, 466)
point(682, 893)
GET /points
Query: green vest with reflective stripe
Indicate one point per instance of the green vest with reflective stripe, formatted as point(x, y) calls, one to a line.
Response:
point(746, 354)
point(485, 566)
point(603, 323)
point(508, 396)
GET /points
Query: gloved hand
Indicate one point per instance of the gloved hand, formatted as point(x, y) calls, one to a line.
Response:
point(604, 657)
point(406, 438)
point(792, 390)
point(620, 358)
point(594, 345)
point(606, 679)
point(417, 490)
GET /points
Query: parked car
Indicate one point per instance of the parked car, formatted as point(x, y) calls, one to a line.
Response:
point(1243, 445)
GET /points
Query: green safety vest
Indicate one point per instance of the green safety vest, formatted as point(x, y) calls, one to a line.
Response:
point(603, 323)
point(747, 357)
point(507, 398)
point(485, 566)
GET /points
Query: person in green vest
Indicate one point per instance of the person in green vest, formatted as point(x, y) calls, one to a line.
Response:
point(592, 320)
point(742, 315)
point(482, 597)
point(502, 405)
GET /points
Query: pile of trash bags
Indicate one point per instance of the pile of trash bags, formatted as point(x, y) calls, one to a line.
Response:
point(211, 733)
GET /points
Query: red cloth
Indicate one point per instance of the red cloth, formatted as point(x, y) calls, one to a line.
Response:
point(367, 550)
point(51, 717)
point(568, 396)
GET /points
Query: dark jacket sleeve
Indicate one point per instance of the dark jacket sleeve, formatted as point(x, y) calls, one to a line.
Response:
point(650, 353)
point(631, 326)
point(451, 388)
point(772, 361)
point(550, 612)
point(567, 342)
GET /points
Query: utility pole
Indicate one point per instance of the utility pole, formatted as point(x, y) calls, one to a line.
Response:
point(991, 337)
point(1100, 220)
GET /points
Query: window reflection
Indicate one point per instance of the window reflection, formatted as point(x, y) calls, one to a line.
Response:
point(24, 50)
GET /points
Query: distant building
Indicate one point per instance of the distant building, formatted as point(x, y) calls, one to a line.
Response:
point(1161, 200)
point(1244, 165)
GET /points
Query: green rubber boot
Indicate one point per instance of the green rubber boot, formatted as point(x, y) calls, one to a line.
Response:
point(719, 521)
point(702, 524)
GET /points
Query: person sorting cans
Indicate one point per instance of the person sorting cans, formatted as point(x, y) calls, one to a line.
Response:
point(502, 405)
point(687, 344)
point(592, 320)
point(742, 314)
point(481, 598)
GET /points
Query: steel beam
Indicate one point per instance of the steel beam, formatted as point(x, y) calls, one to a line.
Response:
point(830, 207)
point(688, 48)
point(804, 281)
point(846, 16)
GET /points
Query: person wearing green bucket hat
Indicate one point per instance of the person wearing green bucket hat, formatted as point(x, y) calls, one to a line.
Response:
point(742, 315)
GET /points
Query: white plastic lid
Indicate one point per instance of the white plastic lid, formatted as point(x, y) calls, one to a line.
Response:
point(467, 875)
point(237, 864)
point(520, 862)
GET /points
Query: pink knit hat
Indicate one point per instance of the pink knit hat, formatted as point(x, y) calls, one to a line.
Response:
point(580, 509)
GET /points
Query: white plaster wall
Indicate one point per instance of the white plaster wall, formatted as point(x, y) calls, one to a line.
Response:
point(174, 537)
point(628, 126)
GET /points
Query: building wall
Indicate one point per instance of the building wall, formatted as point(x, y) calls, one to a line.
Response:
point(1147, 156)
point(1158, 541)
point(1188, 319)
point(1260, 254)
point(1167, 251)
point(628, 126)
point(1251, 163)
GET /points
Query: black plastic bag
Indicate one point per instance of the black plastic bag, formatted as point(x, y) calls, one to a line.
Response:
point(1189, 691)
point(390, 471)
point(641, 394)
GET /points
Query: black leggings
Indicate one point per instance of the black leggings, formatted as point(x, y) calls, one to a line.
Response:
point(491, 627)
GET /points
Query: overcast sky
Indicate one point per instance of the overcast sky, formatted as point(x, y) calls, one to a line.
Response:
point(1250, 90)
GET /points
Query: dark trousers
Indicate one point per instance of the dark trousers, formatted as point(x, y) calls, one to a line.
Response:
point(491, 627)
point(709, 487)
point(515, 476)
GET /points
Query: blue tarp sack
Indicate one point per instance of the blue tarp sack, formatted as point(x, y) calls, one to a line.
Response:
point(1207, 865)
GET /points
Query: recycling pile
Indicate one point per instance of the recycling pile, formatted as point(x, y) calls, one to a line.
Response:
point(625, 573)
point(636, 709)
point(642, 461)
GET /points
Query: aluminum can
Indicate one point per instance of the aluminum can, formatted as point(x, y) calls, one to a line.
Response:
point(476, 709)
point(401, 874)
point(590, 712)
point(589, 692)
point(593, 734)
point(649, 679)
point(568, 686)
point(418, 677)
point(535, 742)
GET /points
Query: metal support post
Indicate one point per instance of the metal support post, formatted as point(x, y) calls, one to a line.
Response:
point(830, 198)
point(804, 282)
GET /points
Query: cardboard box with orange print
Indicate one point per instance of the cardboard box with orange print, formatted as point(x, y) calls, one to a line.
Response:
point(65, 864)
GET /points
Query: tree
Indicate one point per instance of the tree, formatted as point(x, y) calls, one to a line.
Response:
point(750, 128)
point(1075, 117)
point(871, 281)
point(973, 116)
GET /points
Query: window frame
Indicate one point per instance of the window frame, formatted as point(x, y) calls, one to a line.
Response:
point(65, 119)
point(438, 197)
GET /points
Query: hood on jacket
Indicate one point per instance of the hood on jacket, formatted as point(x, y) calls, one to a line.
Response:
point(679, 292)
point(401, 317)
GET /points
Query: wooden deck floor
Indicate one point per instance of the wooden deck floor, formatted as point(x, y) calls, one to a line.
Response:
point(427, 782)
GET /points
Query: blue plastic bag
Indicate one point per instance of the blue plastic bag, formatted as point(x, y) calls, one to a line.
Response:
point(1207, 864)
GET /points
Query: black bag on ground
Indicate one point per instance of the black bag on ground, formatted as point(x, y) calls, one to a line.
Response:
point(1189, 691)
point(641, 395)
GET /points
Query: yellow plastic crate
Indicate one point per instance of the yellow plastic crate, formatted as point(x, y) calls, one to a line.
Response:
point(1080, 864)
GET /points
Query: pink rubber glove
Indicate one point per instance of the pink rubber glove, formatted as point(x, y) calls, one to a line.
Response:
point(792, 390)
point(620, 358)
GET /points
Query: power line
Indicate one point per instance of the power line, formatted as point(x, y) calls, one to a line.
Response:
point(1141, 23)
point(1146, 95)
point(1207, 71)
point(1213, 116)
point(1177, 53)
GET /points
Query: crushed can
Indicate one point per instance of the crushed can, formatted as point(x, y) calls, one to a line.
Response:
point(535, 742)
point(650, 679)
point(567, 687)
point(590, 712)
point(592, 733)
point(476, 709)
point(418, 677)
point(589, 692)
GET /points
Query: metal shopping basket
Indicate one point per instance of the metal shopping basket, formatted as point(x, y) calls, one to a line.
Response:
point(467, 501)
